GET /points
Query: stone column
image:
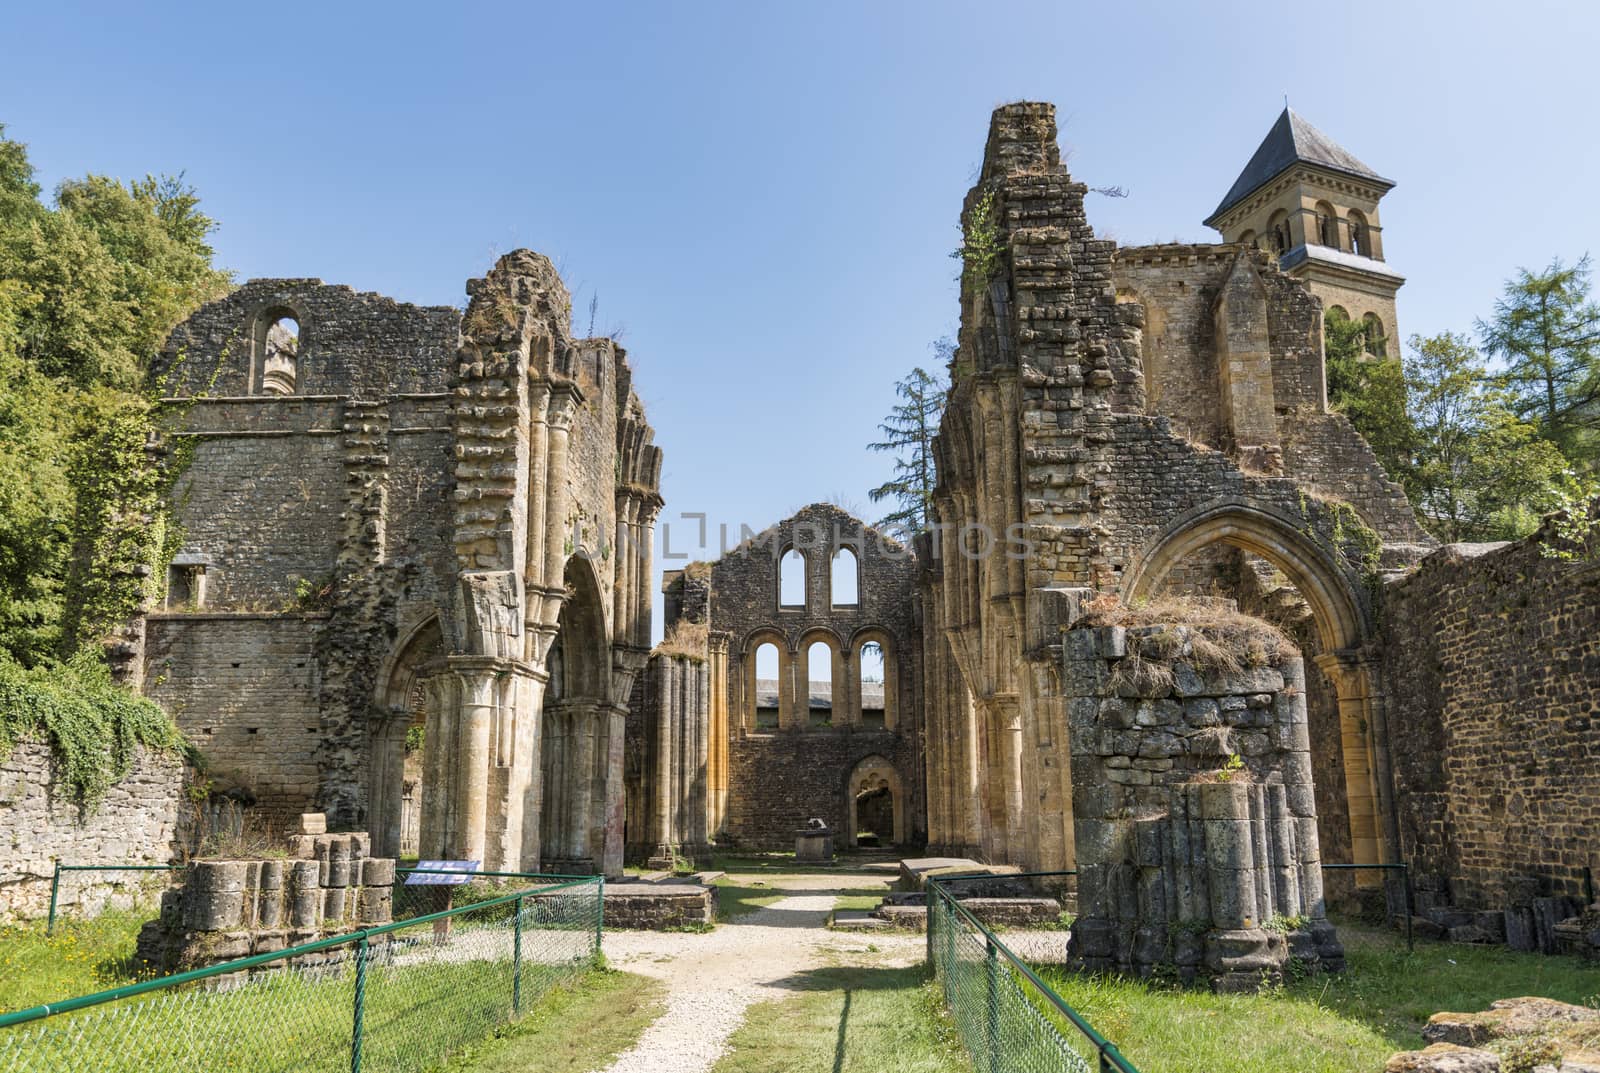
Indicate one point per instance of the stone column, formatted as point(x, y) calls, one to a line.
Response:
point(472, 745)
point(666, 672)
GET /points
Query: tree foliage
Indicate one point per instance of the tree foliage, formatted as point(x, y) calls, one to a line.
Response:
point(1370, 390)
point(1546, 331)
point(90, 286)
point(908, 434)
point(1478, 470)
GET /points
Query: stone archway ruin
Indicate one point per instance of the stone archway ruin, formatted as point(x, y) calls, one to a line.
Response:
point(1345, 630)
point(871, 775)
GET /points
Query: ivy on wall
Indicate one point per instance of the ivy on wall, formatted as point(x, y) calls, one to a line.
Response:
point(91, 724)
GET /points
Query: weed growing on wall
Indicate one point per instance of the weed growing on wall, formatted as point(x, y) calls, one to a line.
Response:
point(980, 249)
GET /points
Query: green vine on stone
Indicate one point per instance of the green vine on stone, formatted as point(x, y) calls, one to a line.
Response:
point(981, 247)
point(91, 724)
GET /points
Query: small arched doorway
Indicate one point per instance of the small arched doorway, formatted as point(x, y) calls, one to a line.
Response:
point(397, 746)
point(875, 811)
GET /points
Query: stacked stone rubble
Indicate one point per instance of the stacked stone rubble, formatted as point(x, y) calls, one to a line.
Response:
point(1196, 822)
point(229, 909)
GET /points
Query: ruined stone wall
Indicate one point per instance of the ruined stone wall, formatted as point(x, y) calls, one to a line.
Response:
point(778, 781)
point(1178, 286)
point(350, 343)
point(783, 779)
point(245, 689)
point(436, 486)
point(667, 760)
point(1492, 655)
point(1195, 816)
point(136, 823)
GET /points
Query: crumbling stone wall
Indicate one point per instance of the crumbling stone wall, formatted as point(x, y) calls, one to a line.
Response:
point(1047, 448)
point(1194, 809)
point(1494, 656)
point(398, 522)
point(136, 823)
point(228, 909)
point(778, 779)
point(243, 687)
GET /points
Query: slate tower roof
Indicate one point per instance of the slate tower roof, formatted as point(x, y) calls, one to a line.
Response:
point(1292, 140)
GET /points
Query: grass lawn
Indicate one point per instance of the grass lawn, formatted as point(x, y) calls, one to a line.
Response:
point(577, 1027)
point(862, 898)
point(82, 957)
point(1327, 1024)
point(735, 898)
point(849, 1020)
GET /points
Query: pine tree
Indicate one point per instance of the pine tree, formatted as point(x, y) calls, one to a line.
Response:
point(1547, 330)
point(908, 434)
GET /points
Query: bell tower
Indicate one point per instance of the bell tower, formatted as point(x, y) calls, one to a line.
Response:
point(1307, 199)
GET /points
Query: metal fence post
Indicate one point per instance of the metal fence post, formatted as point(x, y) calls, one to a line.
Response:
point(1405, 879)
point(360, 1004)
point(516, 959)
point(55, 888)
point(992, 959)
point(932, 898)
point(599, 916)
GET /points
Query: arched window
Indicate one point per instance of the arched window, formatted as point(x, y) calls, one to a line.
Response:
point(767, 686)
point(1278, 230)
point(1327, 225)
point(874, 702)
point(278, 347)
point(792, 580)
point(819, 684)
point(846, 579)
point(1360, 238)
point(1377, 343)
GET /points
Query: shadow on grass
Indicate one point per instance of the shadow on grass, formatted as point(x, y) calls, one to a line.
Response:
point(848, 1020)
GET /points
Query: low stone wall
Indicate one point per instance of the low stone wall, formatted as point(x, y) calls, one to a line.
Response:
point(233, 909)
point(657, 907)
point(1492, 665)
point(136, 823)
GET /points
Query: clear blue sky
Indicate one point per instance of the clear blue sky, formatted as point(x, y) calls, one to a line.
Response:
point(765, 196)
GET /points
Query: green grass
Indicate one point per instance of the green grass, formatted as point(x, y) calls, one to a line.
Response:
point(735, 899)
point(578, 1027)
point(84, 956)
point(418, 1012)
point(784, 864)
point(849, 1020)
point(1349, 1023)
point(861, 898)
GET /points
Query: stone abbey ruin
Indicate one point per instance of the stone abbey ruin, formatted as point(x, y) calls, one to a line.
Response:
point(399, 518)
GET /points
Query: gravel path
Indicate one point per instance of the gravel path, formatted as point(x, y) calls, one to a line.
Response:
point(713, 978)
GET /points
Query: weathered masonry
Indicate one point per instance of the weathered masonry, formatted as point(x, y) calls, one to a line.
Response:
point(1127, 424)
point(812, 708)
point(414, 586)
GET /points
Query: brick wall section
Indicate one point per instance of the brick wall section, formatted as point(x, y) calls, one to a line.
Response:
point(1492, 656)
point(781, 780)
point(778, 782)
point(244, 689)
point(351, 343)
point(136, 823)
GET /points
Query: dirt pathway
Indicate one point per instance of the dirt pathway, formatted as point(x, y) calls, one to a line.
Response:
point(713, 978)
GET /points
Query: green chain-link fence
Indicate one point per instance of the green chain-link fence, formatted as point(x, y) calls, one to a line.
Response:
point(399, 997)
point(72, 885)
point(1009, 1020)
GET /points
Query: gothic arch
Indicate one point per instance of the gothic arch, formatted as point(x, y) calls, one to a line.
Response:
point(871, 774)
point(398, 705)
point(1334, 595)
point(1345, 632)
